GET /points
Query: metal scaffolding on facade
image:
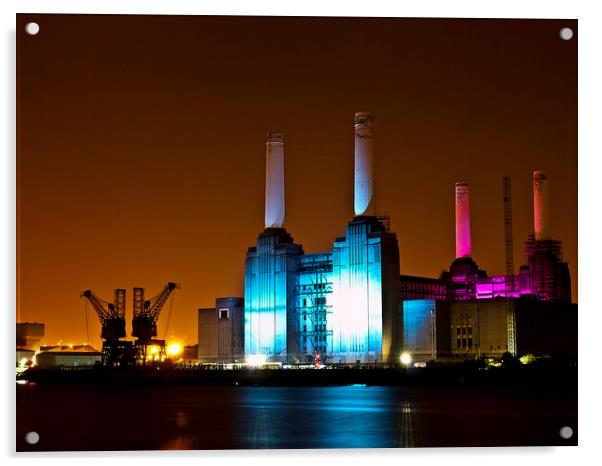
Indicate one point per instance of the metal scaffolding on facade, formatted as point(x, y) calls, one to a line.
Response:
point(312, 287)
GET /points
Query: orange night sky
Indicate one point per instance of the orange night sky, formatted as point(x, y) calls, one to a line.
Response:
point(141, 144)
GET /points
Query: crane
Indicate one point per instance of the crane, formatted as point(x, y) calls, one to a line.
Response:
point(144, 322)
point(115, 352)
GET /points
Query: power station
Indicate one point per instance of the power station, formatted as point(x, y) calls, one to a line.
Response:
point(350, 305)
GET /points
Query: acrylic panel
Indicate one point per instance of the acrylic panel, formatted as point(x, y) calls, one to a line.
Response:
point(295, 232)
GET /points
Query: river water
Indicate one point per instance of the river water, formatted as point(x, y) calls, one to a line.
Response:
point(88, 417)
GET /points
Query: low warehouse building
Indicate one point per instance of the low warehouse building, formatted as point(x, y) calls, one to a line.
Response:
point(68, 356)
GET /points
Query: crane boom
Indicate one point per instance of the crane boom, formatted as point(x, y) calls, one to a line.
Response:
point(146, 313)
point(102, 307)
point(111, 315)
point(157, 303)
point(144, 323)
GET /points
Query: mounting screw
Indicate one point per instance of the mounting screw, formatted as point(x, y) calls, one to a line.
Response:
point(32, 437)
point(566, 432)
point(566, 33)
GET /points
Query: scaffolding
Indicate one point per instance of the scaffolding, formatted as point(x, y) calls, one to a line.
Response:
point(508, 243)
point(312, 287)
point(548, 273)
point(511, 327)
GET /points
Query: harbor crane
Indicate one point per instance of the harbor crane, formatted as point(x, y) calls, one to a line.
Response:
point(144, 323)
point(115, 352)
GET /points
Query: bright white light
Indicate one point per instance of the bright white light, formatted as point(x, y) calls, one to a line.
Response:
point(406, 359)
point(256, 359)
point(174, 349)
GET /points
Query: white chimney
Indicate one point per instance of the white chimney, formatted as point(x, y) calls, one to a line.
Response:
point(274, 180)
point(364, 150)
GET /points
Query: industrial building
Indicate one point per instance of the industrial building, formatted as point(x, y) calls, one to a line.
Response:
point(466, 329)
point(351, 305)
point(28, 338)
point(470, 314)
point(68, 356)
point(221, 332)
point(29, 335)
point(340, 306)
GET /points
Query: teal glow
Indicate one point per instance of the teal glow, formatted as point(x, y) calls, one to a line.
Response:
point(265, 307)
point(418, 326)
point(269, 296)
point(357, 297)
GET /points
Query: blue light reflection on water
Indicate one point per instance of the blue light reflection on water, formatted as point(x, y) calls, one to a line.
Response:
point(87, 417)
point(317, 417)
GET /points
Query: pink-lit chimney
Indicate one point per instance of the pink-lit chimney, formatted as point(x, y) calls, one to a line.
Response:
point(541, 206)
point(463, 243)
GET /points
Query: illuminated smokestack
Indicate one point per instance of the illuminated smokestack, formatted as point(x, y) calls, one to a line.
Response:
point(364, 149)
point(541, 206)
point(463, 243)
point(274, 180)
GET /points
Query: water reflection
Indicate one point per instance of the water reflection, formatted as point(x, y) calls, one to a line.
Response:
point(407, 432)
point(180, 435)
point(316, 417)
point(201, 417)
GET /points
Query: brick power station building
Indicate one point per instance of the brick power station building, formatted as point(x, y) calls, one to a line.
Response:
point(350, 304)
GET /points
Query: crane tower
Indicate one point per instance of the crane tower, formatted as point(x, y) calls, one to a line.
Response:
point(115, 352)
point(144, 323)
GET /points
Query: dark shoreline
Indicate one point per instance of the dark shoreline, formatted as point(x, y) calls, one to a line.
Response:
point(548, 374)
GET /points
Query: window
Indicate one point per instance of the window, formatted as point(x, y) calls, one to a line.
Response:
point(470, 342)
point(224, 314)
point(458, 343)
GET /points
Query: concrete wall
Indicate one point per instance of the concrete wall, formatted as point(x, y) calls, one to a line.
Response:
point(230, 329)
point(208, 351)
point(221, 331)
point(546, 328)
point(479, 327)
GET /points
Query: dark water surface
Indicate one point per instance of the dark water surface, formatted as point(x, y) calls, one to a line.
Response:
point(88, 417)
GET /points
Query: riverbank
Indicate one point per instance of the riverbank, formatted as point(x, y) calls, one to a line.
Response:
point(541, 373)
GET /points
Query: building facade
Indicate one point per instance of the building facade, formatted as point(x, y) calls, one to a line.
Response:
point(351, 305)
point(471, 329)
point(221, 332)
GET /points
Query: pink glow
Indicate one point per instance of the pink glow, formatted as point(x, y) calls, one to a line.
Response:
point(463, 243)
point(500, 287)
point(541, 206)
